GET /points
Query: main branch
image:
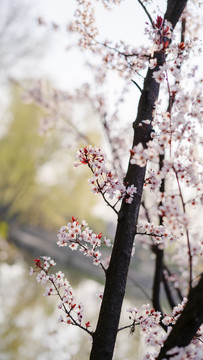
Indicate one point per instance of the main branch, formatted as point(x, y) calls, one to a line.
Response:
point(105, 334)
point(116, 276)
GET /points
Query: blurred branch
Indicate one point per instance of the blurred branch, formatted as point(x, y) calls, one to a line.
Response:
point(180, 296)
point(139, 286)
point(168, 292)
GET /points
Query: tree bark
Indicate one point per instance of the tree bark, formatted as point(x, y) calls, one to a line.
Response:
point(105, 334)
point(187, 324)
point(116, 276)
point(174, 10)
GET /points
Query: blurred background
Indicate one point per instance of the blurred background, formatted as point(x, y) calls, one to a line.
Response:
point(39, 189)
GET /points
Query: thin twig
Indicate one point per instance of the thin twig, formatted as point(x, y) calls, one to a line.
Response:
point(148, 234)
point(102, 266)
point(105, 199)
point(126, 55)
point(134, 82)
point(85, 251)
point(140, 287)
point(147, 12)
point(103, 193)
point(74, 322)
point(127, 326)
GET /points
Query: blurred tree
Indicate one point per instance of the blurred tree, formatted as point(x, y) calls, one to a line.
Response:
point(24, 198)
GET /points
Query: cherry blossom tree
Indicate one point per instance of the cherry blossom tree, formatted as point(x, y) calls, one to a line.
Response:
point(164, 165)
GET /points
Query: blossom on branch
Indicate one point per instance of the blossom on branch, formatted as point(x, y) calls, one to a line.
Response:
point(103, 181)
point(149, 322)
point(58, 285)
point(81, 237)
point(160, 34)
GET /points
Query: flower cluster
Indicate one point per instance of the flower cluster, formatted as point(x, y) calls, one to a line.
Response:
point(79, 236)
point(160, 34)
point(159, 234)
point(176, 132)
point(103, 181)
point(153, 180)
point(172, 278)
point(84, 22)
point(177, 310)
point(144, 316)
point(108, 3)
point(119, 57)
point(191, 352)
point(58, 285)
point(172, 213)
point(140, 155)
point(194, 350)
point(148, 320)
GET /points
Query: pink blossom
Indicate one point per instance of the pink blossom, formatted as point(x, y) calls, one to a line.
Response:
point(103, 181)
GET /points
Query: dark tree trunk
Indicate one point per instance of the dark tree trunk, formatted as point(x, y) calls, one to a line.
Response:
point(174, 10)
point(188, 323)
point(116, 276)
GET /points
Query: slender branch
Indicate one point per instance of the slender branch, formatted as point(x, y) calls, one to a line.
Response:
point(130, 65)
point(74, 322)
point(105, 199)
point(134, 82)
point(147, 12)
point(126, 55)
point(102, 192)
point(102, 266)
point(128, 326)
point(149, 234)
point(85, 250)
